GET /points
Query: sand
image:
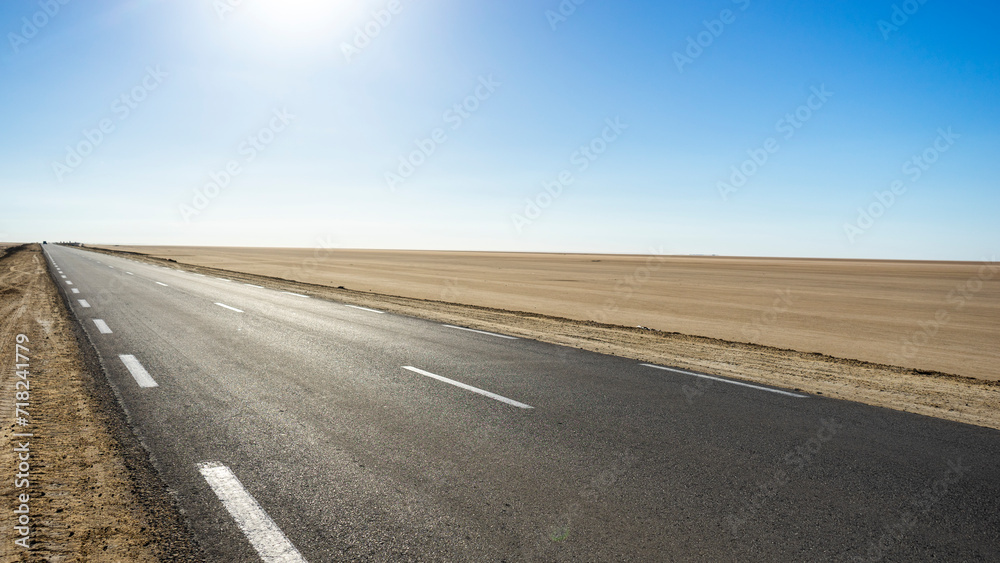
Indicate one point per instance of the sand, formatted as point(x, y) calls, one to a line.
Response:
point(935, 316)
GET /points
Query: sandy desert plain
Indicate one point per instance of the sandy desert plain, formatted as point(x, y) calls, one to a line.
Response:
point(934, 316)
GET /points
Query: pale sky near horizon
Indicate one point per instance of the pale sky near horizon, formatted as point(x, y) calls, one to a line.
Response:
point(450, 125)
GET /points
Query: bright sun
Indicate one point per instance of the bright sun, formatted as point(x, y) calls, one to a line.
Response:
point(299, 19)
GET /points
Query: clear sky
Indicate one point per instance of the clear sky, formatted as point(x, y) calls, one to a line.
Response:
point(718, 127)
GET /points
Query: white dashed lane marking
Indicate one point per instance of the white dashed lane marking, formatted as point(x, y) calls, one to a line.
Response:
point(265, 536)
point(138, 372)
point(366, 309)
point(500, 398)
point(482, 332)
point(102, 326)
point(228, 307)
point(83, 303)
point(730, 381)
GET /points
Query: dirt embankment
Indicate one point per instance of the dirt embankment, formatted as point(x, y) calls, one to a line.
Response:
point(92, 494)
point(941, 395)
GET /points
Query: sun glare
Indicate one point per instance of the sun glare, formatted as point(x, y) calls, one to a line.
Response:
point(299, 20)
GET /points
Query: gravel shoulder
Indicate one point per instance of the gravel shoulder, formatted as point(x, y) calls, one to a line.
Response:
point(931, 393)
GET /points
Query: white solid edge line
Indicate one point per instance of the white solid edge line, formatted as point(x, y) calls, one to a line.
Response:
point(223, 279)
point(138, 372)
point(252, 285)
point(366, 309)
point(296, 294)
point(482, 332)
point(265, 536)
point(83, 303)
point(102, 326)
point(228, 307)
point(500, 398)
point(163, 284)
point(202, 275)
point(740, 383)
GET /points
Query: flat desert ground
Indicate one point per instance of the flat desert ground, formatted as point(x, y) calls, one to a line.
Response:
point(935, 316)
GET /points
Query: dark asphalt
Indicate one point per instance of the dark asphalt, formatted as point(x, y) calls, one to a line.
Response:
point(356, 458)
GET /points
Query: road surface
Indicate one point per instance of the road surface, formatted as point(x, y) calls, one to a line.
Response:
point(292, 428)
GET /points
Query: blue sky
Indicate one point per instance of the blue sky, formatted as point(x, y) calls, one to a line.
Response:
point(363, 146)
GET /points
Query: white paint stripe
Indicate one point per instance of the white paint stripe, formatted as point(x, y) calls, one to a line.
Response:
point(83, 303)
point(366, 309)
point(69, 282)
point(500, 398)
point(163, 284)
point(138, 372)
point(265, 536)
point(252, 285)
point(740, 383)
point(63, 277)
point(482, 332)
point(228, 307)
point(130, 273)
point(223, 279)
point(102, 326)
point(75, 290)
point(296, 294)
point(202, 275)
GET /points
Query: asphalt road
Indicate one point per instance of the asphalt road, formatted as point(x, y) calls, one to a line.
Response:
point(292, 428)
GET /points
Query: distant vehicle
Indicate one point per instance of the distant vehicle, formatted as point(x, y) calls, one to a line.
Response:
point(43, 242)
